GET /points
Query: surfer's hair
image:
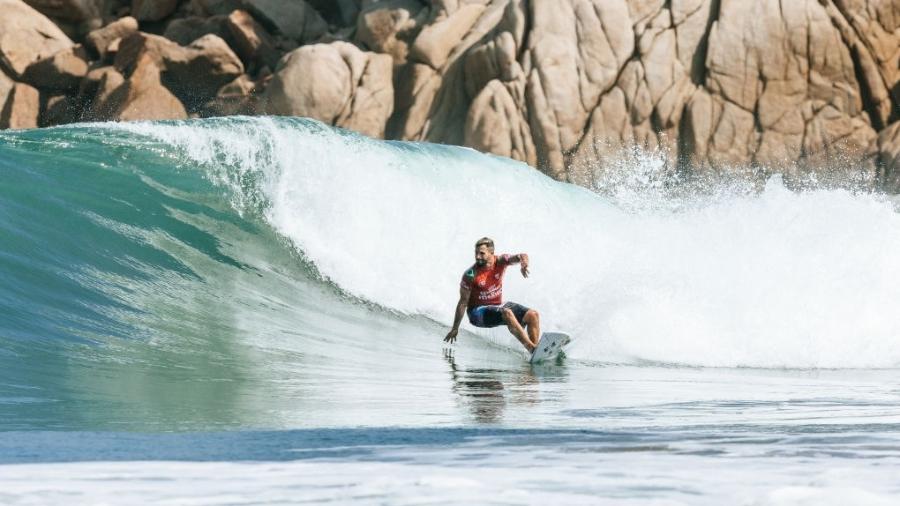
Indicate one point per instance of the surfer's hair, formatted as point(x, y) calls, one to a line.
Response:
point(485, 241)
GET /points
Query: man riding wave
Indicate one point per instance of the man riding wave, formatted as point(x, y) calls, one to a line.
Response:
point(481, 297)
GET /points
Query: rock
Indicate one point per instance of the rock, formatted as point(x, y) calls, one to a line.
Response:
point(351, 89)
point(337, 12)
point(27, 36)
point(295, 19)
point(95, 90)
point(6, 87)
point(389, 27)
point(436, 41)
point(495, 124)
point(143, 96)
point(69, 10)
point(888, 157)
point(98, 40)
point(22, 108)
point(251, 41)
point(59, 109)
point(236, 97)
point(62, 71)
point(186, 30)
point(218, 7)
point(152, 10)
point(194, 73)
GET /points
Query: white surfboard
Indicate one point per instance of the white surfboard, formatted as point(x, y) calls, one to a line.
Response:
point(549, 346)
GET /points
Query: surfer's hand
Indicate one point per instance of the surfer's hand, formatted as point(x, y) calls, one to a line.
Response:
point(451, 336)
point(524, 260)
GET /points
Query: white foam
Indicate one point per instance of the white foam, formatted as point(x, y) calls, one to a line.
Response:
point(774, 279)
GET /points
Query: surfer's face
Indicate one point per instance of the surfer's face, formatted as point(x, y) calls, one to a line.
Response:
point(483, 256)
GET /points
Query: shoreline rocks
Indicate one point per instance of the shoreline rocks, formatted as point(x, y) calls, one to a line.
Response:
point(712, 86)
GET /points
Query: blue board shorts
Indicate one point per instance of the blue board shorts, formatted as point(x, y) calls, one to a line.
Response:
point(491, 316)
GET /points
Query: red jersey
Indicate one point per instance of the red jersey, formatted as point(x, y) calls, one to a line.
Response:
point(486, 284)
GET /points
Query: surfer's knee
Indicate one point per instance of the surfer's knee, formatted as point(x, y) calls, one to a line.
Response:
point(532, 317)
point(507, 315)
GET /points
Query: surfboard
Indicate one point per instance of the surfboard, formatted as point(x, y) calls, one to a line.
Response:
point(549, 346)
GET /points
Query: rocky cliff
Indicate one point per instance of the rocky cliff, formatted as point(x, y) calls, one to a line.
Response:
point(712, 86)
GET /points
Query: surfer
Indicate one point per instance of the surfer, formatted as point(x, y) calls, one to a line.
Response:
point(481, 297)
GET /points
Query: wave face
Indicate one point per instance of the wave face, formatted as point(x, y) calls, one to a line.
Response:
point(161, 240)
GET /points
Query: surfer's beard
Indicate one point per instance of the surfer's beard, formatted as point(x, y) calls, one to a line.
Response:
point(480, 262)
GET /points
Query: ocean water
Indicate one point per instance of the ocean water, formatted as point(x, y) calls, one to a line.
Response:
point(251, 311)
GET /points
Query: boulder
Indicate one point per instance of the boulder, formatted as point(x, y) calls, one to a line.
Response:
point(6, 87)
point(194, 73)
point(888, 157)
point(59, 109)
point(389, 27)
point(186, 30)
point(217, 7)
point(435, 42)
point(22, 108)
point(495, 124)
point(26, 36)
point(95, 90)
point(62, 71)
point(236, 97)
point(351, 88)
point(337, 12)
point(69, 10)
point(99, 40)
point(143, 96)
point(295, 19)
point(152, 10)
point(251, 41)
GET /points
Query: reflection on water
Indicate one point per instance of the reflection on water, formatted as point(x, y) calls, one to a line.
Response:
point(487, 392)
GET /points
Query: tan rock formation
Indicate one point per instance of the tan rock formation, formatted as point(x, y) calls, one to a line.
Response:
point(61, 71)
point(251, 41)
point(22, 108)
point(143, 96)
point(183, 31)
point(351, 89)
point(99, 40)
point(194, 73)
point(388, 26)
point(26, 36)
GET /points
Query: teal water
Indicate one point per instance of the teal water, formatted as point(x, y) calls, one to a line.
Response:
point(259, 303)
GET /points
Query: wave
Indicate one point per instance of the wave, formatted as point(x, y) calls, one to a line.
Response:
point(772, 278)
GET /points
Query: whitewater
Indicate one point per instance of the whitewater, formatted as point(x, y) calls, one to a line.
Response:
point(251, 310)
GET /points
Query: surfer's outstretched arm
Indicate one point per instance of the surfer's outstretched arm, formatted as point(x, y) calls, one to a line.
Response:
point(521, 258)
point(460, 311)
